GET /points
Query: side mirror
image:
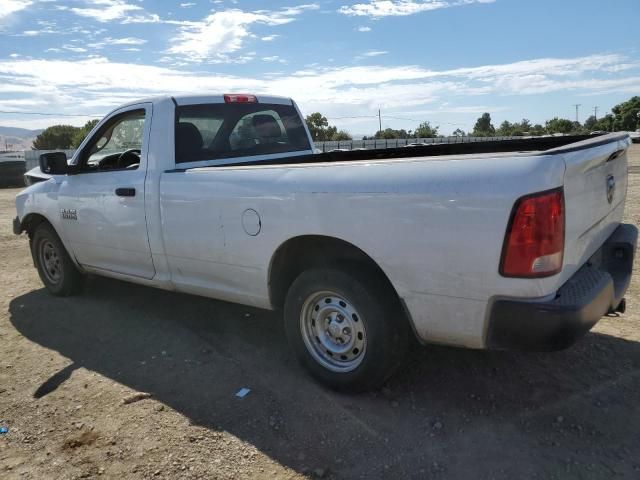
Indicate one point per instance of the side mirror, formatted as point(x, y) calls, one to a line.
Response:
point(54, 163)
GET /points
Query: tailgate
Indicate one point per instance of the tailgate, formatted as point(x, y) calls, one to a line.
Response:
point(595, 189)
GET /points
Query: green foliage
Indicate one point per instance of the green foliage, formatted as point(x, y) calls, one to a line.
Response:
point(57, 137)
point(321, 131)
point(458, 133)
point(483, 127)
point(390, 133)
point(537, 130)
point(591, 123)
point(559, 125)
point(425, 130)
point(82, 132)
point(63, 137)
point(508, 129)
point(627, 115)
point(606, 123)
point(525, 126)
point(317, 124)
point(340, 135)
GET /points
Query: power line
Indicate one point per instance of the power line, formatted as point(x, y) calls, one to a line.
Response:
point(47, 114)
point(380, 117)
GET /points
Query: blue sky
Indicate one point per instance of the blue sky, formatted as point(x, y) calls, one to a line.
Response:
point(445, 61)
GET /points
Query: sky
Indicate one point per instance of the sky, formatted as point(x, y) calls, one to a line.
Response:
point(442, 61)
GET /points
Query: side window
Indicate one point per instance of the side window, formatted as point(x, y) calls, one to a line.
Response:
point(117, 145)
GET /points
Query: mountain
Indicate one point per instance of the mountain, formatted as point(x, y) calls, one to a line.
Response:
point(18, 132)
point(13, 138)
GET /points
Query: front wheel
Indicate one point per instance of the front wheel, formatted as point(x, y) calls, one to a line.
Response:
point(56, 269)
point(345, 327)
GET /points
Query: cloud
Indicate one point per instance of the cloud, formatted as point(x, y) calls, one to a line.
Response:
point(98, 84)
point(375, 53)
point(105, 10)
point(364, 29)
point(223, 33)
point(387, 8)
point(8, 7)
point(127, 41)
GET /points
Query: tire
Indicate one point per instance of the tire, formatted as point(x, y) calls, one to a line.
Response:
point(56, 269)
point(346, 327)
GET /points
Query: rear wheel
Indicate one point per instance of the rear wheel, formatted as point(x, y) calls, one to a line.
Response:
point(345, 327)
point(56, 269)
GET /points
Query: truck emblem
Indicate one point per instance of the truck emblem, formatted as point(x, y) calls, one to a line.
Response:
point(68, 214)
point(611, 188)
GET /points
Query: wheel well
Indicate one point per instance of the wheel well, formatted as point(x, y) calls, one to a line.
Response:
point(301, 253)
point(31, 222)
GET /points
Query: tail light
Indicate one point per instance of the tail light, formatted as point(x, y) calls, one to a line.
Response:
point(534, 244)
point(240, 98)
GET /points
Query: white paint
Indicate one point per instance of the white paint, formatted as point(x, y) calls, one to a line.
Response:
point(434, 225)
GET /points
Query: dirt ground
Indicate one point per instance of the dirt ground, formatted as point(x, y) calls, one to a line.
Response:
point(67, 364)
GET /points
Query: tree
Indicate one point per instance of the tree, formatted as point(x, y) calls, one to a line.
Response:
point(483, 126)
point(525, 126)
point(82, 132)
point(321, 131)
point(57, 137)
point(340, 135)
point(318, 125)
point(591, 123)
point(390, 133)
point(458, 133)
point(505, 129)
point(606, 123)
point(627, 115)
point(425, 130)
point(537, 130)
point(559, 125)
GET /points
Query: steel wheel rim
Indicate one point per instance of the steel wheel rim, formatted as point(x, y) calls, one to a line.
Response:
point(50, 261)
point(333, 331)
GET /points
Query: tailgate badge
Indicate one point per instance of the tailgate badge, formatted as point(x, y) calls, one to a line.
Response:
point(611, 188)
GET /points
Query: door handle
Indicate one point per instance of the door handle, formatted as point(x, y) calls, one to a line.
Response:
point(126, 192)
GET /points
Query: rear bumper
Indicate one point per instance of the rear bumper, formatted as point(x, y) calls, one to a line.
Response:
point(596, 289)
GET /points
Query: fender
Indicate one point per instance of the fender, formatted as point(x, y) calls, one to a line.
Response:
point(32, 210)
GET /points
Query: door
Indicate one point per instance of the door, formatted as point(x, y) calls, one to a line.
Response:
point(102, 203)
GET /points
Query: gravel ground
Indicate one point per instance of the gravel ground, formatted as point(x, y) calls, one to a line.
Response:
point(71, 369)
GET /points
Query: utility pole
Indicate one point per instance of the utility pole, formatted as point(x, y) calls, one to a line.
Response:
point(578, 105)
point(595, 112)
point(380, 120)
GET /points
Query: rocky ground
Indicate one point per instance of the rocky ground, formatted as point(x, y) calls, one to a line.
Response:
point(71, 371)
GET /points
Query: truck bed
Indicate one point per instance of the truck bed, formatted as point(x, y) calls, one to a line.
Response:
point(531, 144)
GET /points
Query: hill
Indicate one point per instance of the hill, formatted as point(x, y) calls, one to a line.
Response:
point(13, 138)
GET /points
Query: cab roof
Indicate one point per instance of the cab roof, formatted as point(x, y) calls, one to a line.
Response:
point(196, 99)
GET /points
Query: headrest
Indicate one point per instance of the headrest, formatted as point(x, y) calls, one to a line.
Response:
point(267, 126)
point(188, 137)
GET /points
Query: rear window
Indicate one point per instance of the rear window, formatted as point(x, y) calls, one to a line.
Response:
point(217, 131)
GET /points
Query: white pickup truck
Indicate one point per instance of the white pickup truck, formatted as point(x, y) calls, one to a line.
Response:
point(499, 245)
